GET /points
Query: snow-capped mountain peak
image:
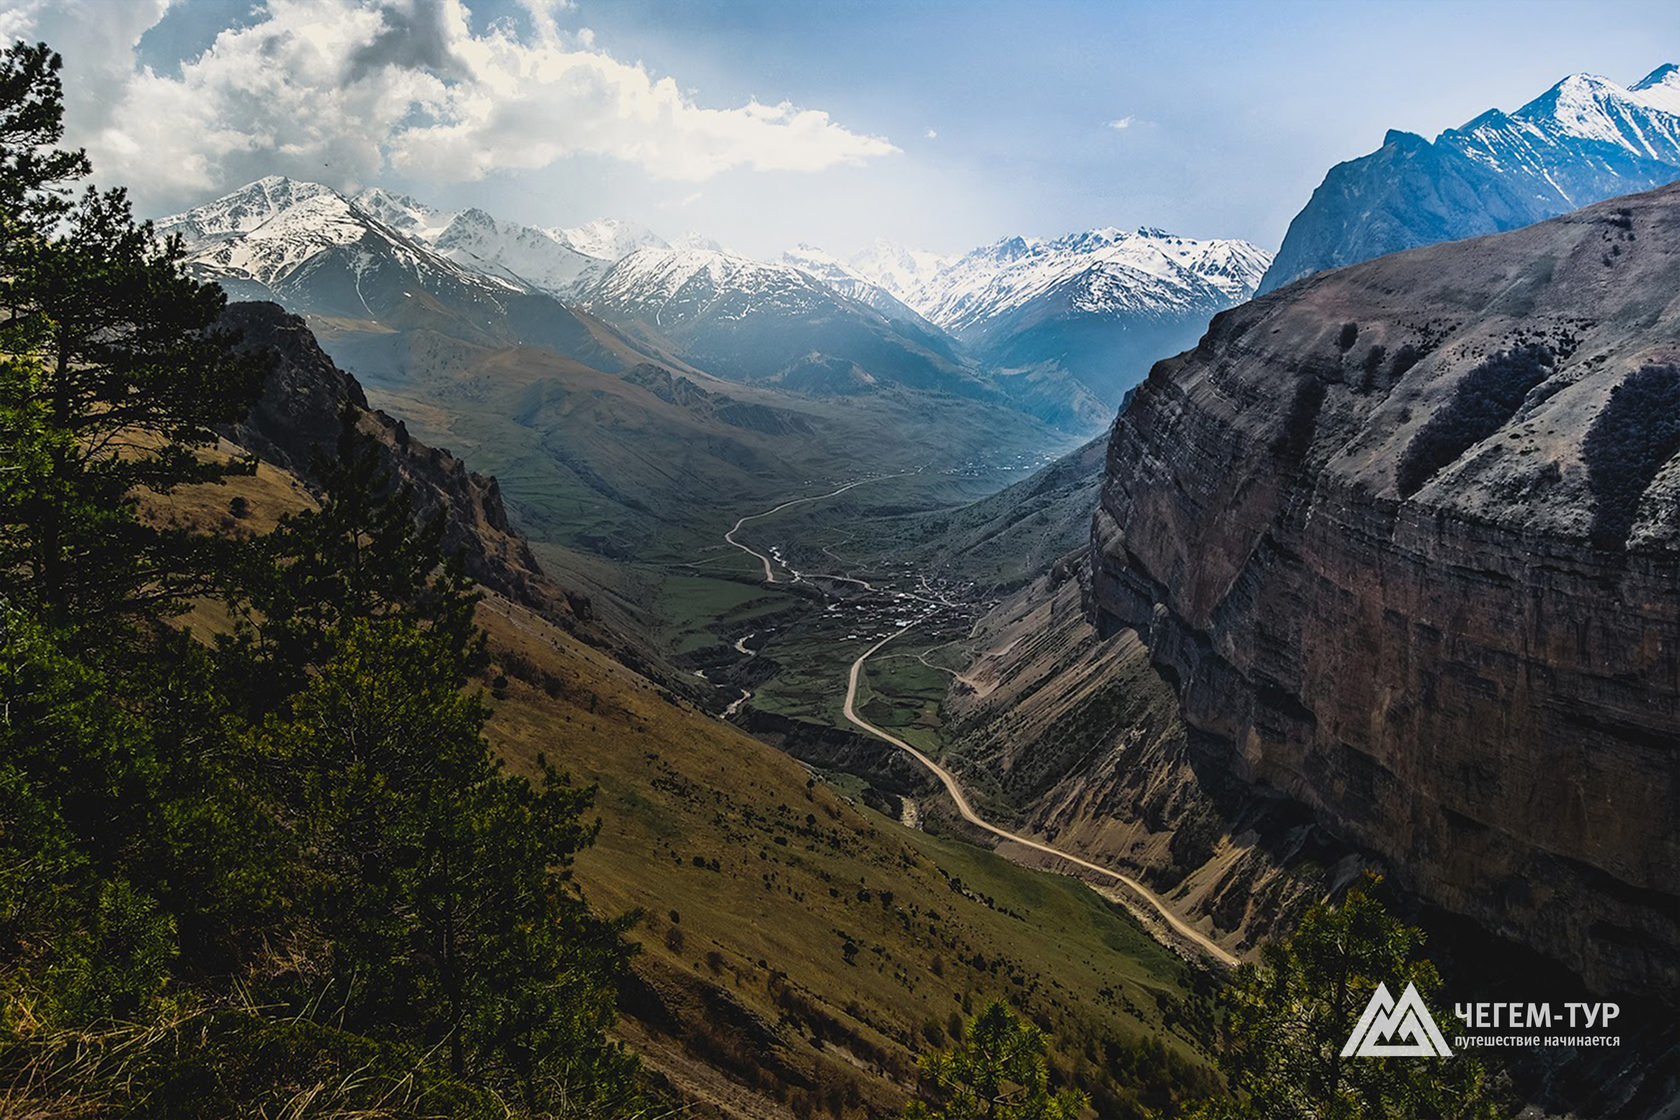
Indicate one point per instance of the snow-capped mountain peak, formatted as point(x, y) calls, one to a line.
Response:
point(404, 214)
point(694, 240)
point(243, 210)
point(849, 282)
point(755, 320)
point(607, 239)
point(672, 285)
point(1643, 118)
point(470, 220)
point(898, 270)
point(824, 265)
point(1010, 249)
point(1008, 299)
point(525, 256)
point(1660, 89)
point(264, 230)
point(277, 236)
point(1099, 304)
point(521, 254)
point(1584, 139)
point(1103, 271)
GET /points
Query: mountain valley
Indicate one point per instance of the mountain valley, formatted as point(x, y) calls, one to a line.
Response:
point(871, 626)
point(759, 480)
point(798, 949)
point(1162, 699)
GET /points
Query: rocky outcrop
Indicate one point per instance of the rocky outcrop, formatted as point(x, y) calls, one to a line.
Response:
point(295, 425)
point(1405, 538)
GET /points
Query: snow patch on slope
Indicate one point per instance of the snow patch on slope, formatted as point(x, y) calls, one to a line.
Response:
point(669, 286)
point(607, 239)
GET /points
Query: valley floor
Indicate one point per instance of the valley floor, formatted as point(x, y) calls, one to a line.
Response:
point(882, 608)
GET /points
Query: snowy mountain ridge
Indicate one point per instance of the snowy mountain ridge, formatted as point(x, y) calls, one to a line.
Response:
point(1644, 118)
point(1100, 272)
point(268, 231)
point(607, 239)
point(1097, 306)
point(545, 260)
point(851, 282)
point(1583, 140)
point(897, 269)
point(604, 239)
point(675, 285)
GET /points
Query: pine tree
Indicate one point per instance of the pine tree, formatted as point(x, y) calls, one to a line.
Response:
point(78, 789)
point(360, 554)
point(442, 884)
point(34, 172)
point(111, 375)
point(113, 378)
point(997, 1072)
point(1291, 1015)
point(308, 813)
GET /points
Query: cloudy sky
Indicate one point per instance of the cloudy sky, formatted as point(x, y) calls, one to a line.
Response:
point(937, 123)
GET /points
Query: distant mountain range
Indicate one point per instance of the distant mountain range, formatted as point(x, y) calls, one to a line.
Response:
point(1584, 140)
point(1103, 305)
point(749, 320)
point(1061, 328)
point(556, 260)
point(379, 264)
point(629, 405)
point(1093, 310)
point(318, 253)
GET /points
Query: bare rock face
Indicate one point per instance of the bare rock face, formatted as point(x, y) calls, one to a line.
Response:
point(1406, 539)
point(1075, 737)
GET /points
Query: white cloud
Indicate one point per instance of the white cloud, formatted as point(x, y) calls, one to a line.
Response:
point(930, 134)
point(1120, 124)
point(343, 90)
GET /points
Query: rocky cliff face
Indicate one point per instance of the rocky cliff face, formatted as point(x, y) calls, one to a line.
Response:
point(1076, 737)
point(1406, 540)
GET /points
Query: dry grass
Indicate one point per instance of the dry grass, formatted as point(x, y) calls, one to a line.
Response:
point(798, 950)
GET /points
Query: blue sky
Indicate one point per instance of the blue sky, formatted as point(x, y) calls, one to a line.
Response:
point(940, 125)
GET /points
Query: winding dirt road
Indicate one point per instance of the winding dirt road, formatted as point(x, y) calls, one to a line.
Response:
point(1143, 893)
point(1137, 890)
point(770, 572)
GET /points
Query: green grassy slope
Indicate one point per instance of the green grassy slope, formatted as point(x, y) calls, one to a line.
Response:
point(620, 465)
point(826, 944)
point(799, 950)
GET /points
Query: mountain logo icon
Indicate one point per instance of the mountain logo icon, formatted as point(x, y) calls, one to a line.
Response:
point(1385, 1023)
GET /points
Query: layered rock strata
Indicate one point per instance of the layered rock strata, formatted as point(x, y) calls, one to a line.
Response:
point(1405, 538)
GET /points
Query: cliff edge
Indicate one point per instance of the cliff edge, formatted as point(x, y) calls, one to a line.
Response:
point(1406, 540)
